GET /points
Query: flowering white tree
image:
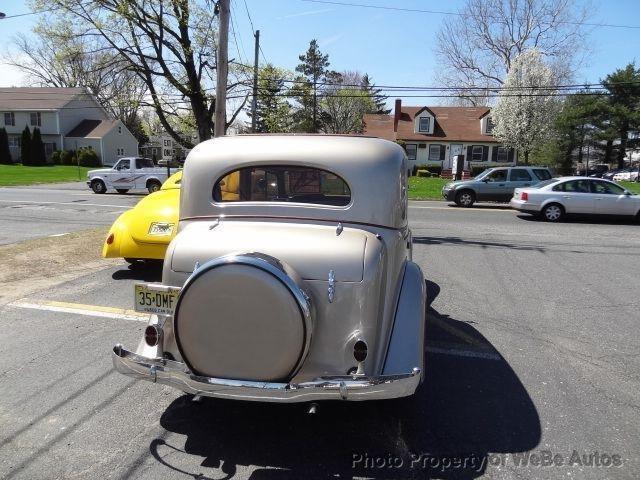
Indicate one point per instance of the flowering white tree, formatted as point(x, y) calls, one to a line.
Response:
point(523, 117)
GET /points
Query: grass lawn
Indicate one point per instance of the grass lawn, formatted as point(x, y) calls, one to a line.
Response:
point(19, 175)
point(631, 186)
point(426, 188)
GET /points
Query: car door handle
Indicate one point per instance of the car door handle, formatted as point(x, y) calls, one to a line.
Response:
point(598, 198)
point(566, 196)
point(527, 184)
point(501, 184)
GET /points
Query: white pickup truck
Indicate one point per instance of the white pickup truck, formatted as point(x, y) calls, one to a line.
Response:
point(128, 173)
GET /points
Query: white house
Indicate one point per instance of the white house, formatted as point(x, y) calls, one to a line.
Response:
point(68, 118)
point(434, 135)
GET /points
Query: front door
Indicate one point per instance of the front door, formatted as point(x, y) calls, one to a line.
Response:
point(494, 186)
point(121, 178)
point(611, 200)
point(456, 149)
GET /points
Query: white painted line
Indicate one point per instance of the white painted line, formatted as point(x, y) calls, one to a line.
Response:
point(81, 311)
point(464, 353)
point(77, 204)
point(58, 235)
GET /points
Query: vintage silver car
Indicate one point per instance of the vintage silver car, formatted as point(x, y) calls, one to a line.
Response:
point(290, 279)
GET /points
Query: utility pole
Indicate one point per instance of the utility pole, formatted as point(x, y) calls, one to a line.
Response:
point(254, 102)
point(222, 70)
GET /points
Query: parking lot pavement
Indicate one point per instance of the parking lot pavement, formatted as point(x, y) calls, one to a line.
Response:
point(47, 210)
point(531, 347)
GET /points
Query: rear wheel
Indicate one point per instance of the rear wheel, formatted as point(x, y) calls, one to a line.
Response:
point(153, 186)
point(465, 198)
point(122, 190)
point(553, 212)
point(98, 186)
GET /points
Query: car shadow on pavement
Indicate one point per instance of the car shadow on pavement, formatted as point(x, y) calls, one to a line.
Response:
point(585, 219)
point(471, 411)
point(476, 243)
point(144, 271)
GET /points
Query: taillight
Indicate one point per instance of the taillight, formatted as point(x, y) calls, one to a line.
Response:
point(152, 335)
point(110, 239)
point(524, 196)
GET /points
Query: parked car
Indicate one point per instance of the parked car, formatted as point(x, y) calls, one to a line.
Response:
point(576, 195)
point(628, 175)
point(494, 185)
point(144, 232)
point(609, 175)
point(595, 171)
point(128, 173)
point(290, 278)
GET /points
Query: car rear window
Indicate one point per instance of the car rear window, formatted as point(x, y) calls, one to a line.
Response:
point(145, 163)
point(282, 183)
point(544, 184)
point(542, 174)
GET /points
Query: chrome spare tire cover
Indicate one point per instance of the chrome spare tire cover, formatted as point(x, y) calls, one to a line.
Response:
point(243, 317)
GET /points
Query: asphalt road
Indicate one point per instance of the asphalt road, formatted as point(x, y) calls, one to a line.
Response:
point(532, 347)
point(45, 210)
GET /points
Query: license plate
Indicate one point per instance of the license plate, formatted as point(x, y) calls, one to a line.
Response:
point(161, 228)
point(154, 298)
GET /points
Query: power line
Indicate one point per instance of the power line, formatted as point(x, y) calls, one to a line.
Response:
point(444, 12)
point(246, 7)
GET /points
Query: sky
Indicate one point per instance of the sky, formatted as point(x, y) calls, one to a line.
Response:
point(393, 47)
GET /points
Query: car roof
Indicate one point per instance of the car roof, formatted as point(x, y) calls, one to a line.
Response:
point(373, 168)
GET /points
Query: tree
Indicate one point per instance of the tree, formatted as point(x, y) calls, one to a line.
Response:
point(303, 114)
point(314, 66)
point(273, 110)
point(524, 115)
point(477, 47)
point(379, 99)
point(170, 45)
point(5, 152)
point(623, 109)
point(37, 155)
point(344, 103)
point(25, 146)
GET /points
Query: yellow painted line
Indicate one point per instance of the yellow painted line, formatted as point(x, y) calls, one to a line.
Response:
point(457, 332)
point(82, 309)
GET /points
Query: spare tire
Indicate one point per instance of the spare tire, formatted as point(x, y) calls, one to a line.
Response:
point(243, 317)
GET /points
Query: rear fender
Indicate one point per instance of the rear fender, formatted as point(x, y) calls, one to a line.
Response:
point(406, 346)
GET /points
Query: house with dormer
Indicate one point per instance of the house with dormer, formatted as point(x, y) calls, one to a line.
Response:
point(432, 136)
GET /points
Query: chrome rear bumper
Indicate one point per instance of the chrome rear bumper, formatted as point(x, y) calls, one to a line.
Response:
point(343, 387)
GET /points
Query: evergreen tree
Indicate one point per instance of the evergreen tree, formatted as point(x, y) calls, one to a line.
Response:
point(25, 146)
point(5, 153)
point(623, 86)
point(379, 99)
point(273, 111)
point(37, 154)
point(314, 66)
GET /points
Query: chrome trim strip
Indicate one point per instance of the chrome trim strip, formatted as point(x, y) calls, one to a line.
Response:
point(338, 387)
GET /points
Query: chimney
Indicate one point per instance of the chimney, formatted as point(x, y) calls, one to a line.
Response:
point(396, 114)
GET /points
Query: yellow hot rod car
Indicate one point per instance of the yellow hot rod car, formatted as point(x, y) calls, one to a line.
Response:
point(144, 232)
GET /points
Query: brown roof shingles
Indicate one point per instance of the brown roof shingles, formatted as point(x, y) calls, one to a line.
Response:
point(92, 128)
point(23, 98)
point(453, 124)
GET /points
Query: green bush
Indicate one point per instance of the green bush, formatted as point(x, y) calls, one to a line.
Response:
point(88, 158)
point(68, 157)
point(5, 152)
point(56, 157)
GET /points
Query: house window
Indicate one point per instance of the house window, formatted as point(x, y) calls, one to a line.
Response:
point(119, 129)
point(36, 119)
point(412, 151)
point(434, 152)
point(120, 151)
point(166, 153)
point(490, 126)
point(167, 143)
point(476, 153)
point(14, 142)
point(502, 155)
point(425, 123)
point(9, 119)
